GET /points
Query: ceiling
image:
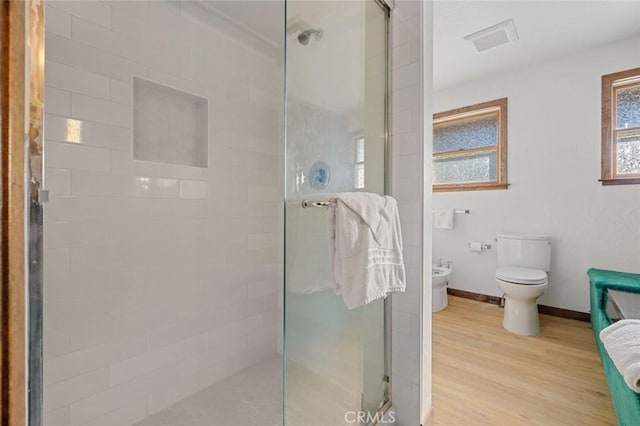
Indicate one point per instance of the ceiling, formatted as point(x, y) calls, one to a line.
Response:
point(547, 29)
point(325, 72)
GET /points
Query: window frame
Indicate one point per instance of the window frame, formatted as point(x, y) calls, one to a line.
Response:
point(611, 83)
point(460, 114)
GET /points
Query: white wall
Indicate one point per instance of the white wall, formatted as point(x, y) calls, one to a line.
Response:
point(553, 168)
point(159, 279)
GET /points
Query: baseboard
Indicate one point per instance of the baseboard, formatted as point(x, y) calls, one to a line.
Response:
point(564, 313)
point(543, 309)
point(485, 298)
point(428, 418)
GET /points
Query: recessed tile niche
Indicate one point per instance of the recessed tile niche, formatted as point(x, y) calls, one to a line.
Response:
point(169, 125)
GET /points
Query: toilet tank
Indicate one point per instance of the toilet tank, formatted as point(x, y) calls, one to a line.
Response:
point(527, 251)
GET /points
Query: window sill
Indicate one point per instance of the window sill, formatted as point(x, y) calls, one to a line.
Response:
point(620, 181)
point(469, 187)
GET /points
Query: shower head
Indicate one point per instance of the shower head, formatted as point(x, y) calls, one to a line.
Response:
point(305, 35)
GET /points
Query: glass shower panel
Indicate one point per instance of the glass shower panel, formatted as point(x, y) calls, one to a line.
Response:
point(336, 134)
point(163, 236)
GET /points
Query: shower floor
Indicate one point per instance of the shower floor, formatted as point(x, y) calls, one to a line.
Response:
point(250, 397)
point(253, 397)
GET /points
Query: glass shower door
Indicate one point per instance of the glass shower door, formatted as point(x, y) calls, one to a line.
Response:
point(163, 234)
point(335, 358)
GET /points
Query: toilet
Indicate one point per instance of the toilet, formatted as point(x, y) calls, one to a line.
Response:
point(523, 263)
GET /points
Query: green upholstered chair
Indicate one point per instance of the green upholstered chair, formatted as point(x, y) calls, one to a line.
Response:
point(625, 401)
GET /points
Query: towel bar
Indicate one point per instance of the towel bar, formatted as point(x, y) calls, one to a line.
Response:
point(328, 203)
point(466, 211)
point(331, 202)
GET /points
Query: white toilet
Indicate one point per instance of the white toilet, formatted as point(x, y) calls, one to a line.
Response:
point(523, 263)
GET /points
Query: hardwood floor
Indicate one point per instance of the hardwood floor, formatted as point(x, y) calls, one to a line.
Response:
point(484, 375)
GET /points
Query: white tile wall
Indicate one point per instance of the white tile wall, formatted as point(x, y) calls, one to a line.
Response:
point(94, 12)
point(406, 175)
point(76, 80)
point(159, 279)
point(103, 111)
point(59, 181)
point(77, 157)
point(59, 22)
point(58, 101)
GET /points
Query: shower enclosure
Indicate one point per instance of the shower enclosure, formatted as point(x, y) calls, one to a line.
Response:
point(178, 287)
point(336, 79)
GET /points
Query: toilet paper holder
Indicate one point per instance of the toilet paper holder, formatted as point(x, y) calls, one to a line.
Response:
point(475, 246)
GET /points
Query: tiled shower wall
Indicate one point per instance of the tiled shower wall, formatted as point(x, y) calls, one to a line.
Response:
point(159, 279)
point(406, 142)
point(332, 142)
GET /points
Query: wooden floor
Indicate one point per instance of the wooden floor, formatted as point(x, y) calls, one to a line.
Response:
point(484, 375)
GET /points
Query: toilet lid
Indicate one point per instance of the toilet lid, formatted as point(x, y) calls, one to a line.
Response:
point(518, 275)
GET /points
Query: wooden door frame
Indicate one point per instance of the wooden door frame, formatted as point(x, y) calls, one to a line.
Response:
point(12, 271)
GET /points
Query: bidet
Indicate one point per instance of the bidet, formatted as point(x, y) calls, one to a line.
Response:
point(439, 280)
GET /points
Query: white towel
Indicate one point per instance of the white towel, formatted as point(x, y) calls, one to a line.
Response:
point(365, 247)
point(622, 342)
point(443, 218)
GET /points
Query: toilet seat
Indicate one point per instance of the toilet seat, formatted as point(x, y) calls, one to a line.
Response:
point(519, 275)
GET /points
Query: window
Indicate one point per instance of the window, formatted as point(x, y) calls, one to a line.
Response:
point(470, 147)
point(359, 166)
point(621, 128)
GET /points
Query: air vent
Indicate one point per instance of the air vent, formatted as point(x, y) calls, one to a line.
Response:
point(496, 35)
